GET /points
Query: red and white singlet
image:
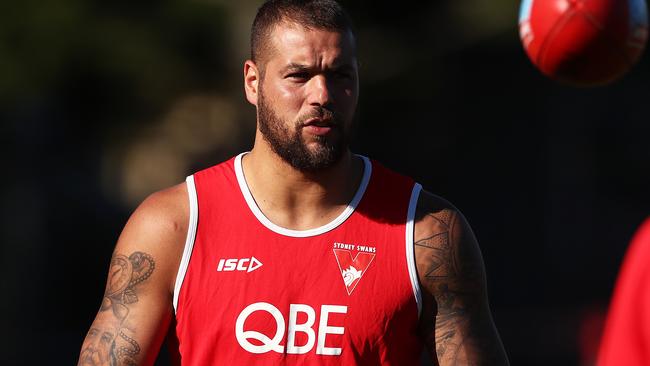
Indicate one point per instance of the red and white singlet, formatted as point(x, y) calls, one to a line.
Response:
point(249, 292)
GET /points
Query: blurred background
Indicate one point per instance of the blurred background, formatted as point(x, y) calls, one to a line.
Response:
point(103, 103)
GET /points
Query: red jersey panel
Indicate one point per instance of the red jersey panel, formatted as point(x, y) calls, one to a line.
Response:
point(626, 339)
point(250, 292)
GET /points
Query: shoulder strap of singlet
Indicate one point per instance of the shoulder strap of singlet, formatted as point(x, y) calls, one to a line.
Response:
point(189, 241)
point(410, 245)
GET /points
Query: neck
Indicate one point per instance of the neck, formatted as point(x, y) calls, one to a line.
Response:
point(299, 200)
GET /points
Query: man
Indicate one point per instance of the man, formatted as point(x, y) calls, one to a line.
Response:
point(298, 252)
point(626, 337)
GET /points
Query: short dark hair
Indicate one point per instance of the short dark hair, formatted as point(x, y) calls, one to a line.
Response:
point(311, 14)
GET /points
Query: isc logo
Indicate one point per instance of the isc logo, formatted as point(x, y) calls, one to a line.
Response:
point(236, 264)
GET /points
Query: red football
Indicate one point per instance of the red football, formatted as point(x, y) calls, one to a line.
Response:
point(583, 42)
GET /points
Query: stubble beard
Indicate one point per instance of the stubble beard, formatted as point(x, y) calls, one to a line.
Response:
point(288, 143)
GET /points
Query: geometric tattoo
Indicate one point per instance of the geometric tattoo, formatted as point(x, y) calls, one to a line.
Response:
point(442, 273)
point(107, 343)
point(456, 323)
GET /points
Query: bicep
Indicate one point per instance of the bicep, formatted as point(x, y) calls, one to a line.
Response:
point(456, 322)
point(136, 308)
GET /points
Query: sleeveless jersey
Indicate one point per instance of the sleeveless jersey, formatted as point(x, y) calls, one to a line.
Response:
point(249, 292)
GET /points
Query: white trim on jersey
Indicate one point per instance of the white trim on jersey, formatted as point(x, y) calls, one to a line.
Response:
point(239, 171)
point(189, 241)
point(410, 249)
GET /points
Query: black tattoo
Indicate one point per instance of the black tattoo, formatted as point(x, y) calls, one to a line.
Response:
point(106, 342)
point(441, 274)
point(457, 325)
point(443, 261)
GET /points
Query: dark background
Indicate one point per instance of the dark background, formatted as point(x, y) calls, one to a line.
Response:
point(102, 103)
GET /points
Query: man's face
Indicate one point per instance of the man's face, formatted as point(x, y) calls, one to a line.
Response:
point(100, 341)
point(308, 95)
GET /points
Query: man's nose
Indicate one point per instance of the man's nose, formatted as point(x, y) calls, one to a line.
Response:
point(319, 91)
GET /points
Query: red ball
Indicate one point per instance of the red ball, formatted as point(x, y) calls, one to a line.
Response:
point(583, 42)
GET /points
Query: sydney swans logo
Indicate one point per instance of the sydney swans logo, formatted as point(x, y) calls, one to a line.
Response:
point(350, 275)
point(352, 269)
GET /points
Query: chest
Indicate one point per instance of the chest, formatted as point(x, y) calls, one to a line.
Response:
point(267, 294)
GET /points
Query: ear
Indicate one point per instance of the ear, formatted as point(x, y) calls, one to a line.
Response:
point(251, 81)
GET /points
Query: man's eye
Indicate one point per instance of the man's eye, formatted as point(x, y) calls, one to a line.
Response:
point(107, 337)
point(341, 75)
point(299, 76)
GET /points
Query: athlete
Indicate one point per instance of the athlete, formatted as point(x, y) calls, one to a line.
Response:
point(298, 252)
point(626, 337)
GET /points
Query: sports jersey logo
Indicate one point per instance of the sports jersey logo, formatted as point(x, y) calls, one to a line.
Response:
point(236, 264)
point(352, 269)
point(315, 337)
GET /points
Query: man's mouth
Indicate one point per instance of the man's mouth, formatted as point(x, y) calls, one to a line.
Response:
point(318, 126)
point(319, 122)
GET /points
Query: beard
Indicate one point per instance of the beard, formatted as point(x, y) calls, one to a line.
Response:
point(289, 144)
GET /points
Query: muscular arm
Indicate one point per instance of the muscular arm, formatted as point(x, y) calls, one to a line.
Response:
point(137, 305)
point(456, 323)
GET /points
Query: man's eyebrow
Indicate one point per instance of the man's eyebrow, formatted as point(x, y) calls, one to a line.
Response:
point(296, 67)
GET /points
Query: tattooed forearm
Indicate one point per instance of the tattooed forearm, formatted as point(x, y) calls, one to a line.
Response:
point(457, 325)
point(107, 342)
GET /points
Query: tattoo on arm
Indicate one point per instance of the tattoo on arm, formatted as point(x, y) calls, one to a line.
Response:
point(442, 267)
point(107, 342)
point(460, 327)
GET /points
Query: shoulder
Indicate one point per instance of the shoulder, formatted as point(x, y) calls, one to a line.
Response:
point(435, 215)
point(168, 209)
point(446, 249)
point(163, 213)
